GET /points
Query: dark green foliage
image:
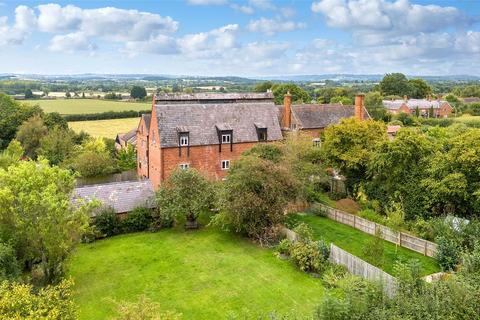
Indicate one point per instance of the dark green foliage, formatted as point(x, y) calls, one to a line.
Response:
point(57, 145)
point(283, 247)
point(105, 115)
point(9, 267)
point(107, 222)
point(12, 115)
point(127, 158)
point(263, 86)
point(138, 92)
point(30, 133)
point(113, 96)
point(29, 94)
point(394, 84)
point(54, 119)
point(139, 219)
point(307, 257)
point(298, 94)
point(269, 152)
point(448, 253)
point(418, 89)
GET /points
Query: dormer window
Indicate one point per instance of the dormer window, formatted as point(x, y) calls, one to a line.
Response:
point(183, 139)
point(261, 131)
point(226, 138)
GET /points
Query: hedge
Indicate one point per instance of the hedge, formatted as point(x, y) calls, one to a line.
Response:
point(105, 115)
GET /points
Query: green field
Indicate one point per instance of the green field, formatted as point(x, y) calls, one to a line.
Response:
point(105, 128)
point(354, 241)
point(204, 274)
point(82, 106)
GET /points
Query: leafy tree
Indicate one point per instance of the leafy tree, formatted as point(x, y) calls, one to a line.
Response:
point(9, 267)
point(263, 86)
point(394, 84)
point(298, 94)
point(29, 135)
point(54, 119)
point(37, 218)
point(92, 159)
point(448, 253)
point(185, 194)
point(22, 301)
point(68, 95)
point(57, 145)
point(29, 94)
point(349, 147)
point(254, 197)
point(341, 99)
point(374, 106)
point(138, 92)
point(11, 155)
point(12, 115)
point(127, 158)
point(419, 89)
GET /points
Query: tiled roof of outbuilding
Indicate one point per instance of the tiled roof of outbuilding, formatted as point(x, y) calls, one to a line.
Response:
point(413, 103)
point(313, 116)
point(204, 97)
point(203, 120)
point(121, 196)
point(146, 118)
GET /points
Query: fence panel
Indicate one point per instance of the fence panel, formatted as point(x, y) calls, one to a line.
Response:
point(403, 239)
point(358, 267)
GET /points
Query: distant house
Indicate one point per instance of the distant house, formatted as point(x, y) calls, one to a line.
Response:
point(123, 197)
point(313, 118)
point(392, 131)
point(206, 131)
point(471, 100)
point(440, 108)
point(124, 139)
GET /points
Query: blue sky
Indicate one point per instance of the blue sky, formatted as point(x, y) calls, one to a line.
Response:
point(243, 38)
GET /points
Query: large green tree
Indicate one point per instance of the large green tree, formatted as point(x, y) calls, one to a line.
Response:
point(138, 92)
point(255, 196)
point(30, 133)
point(298, 94)
point(37, 217)
point(349, 146)
point(394, 84)
point(57, 145)
point(185, 195)
point(12, 115)
point(374, 106)
point(419, 88)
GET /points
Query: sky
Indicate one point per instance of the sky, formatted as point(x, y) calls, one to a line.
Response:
point(240, 38)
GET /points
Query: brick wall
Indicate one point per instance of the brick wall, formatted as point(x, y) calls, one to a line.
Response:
point(142, 149)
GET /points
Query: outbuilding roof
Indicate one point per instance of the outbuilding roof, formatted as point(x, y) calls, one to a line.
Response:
point(204, 97)
point(413, 103)
point(121, 196)
point(203, 121)
point(314, 116)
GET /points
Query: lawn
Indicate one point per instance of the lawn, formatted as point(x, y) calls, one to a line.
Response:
point(204, 274)
point(82, 106)
point(105, 128)
point(354, 241)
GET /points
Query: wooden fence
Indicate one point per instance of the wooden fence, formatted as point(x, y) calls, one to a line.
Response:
point(402, 239)
point(358, 267)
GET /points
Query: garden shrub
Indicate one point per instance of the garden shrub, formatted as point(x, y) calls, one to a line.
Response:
point(323, 248)
point(283, 247)
point(9, 267)
point(333, 274)
point(318, 210)
point(307, 257)
point(304, 232)
point(139, 219)
point(107, 222)
point(448, 253)
point(471, 261)
point(349, 205)
point(371, 215)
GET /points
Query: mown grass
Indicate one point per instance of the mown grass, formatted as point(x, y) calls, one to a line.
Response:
point(105, 128)
point(84, 106)
point(355, 241)
point(204, 274)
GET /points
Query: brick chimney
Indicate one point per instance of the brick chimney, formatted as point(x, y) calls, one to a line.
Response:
point(359, 106)
point(287, 110)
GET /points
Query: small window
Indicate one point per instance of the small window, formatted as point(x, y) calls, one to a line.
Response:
point(225, 164)
point(184, 140)
point(262, 134)
point(294, 126)
point(226, 138)
point(184, 166)
point(316, 142)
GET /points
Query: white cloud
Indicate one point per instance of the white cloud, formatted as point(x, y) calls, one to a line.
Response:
point(272, 26)
point(209, 44)
point(17, 33)
point(206, 2)
point(71, 42)
point(262, 4)
point(242, 9)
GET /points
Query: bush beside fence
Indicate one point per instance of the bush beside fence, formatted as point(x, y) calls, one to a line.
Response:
point(402, 239)
point(358, 267)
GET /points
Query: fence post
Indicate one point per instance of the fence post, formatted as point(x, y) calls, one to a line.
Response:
point(335, 215)
point(425, 252)
point(400, 238)
point(355, 221)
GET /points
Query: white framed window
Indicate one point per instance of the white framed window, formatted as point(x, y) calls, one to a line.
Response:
point(225, 164)
point(226, 138)
point(316, 142)
point(183, 140)
point(184, 166)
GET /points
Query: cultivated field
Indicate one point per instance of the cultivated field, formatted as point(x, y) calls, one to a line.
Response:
point(105, 128)
point(354, 241)
point(82, 106)
point(203, 274)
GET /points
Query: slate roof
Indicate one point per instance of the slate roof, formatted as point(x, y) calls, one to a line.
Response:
point(314, 116)
point(186, 98)
point(121, 196)
point(413, 103)
point(146, 118)
point(202, 120)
